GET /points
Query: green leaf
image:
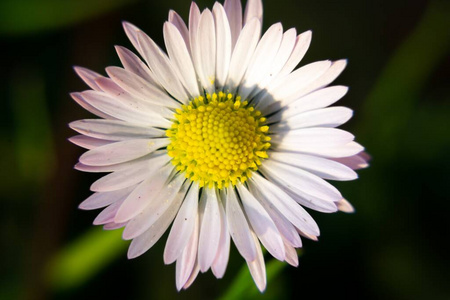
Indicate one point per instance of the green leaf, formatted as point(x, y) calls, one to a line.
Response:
point(19, 17)
point(85, 257)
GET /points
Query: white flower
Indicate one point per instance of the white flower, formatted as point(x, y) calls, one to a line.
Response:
point(221, 137)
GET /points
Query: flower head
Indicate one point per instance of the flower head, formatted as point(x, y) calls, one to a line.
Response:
point(221, 137)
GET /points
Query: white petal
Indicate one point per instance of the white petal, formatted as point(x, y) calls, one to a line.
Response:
point(89, 107)
point(262, 224)
point(118, 109)
point(88, 77)
point(242, 54)
point(319, 99)
point(88, 142)
point(223, 44)
point(160, 64)
point(296, 214)
point(183, 226)
point(283, 54)
point(233, 9)
point(107, 215)
point(238, 227)
point(206, 46)
point(156, 206)
point(140, 88)
point(220, 262)
point(181, 59)
point(322, 167)
point(134, 64)
point(253, 9)
point(292, 86)
point(257, 267)
point(210, 229)
point(262, 59)
point(99, 200)
point(186, 262)
point(345, 206)
point(301, 46)
point(192, 277)
point(312, 137)
point(121, 151)
point(325, 117)
point(114, 130)
point(286, 229)
point(130, 176)
point(147, 239)
point(176, 20)
point(144, 194)
point(132, 33)
point(302, 182)
point(113, 226)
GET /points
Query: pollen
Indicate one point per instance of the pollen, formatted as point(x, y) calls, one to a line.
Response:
point(218, 140)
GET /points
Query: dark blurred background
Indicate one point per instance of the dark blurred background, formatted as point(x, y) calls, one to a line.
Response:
point(395, 245)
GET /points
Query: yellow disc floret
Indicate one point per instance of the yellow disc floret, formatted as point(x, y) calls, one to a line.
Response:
point(218, 140)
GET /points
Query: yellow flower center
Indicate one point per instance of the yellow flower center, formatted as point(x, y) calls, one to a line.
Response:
point(218, 140)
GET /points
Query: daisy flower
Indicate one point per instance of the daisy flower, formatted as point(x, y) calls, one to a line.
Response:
point(219, 136)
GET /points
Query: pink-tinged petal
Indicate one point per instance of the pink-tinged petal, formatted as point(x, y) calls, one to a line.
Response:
point(183, 226)
point(150, 236)
point(209, 229)
point(253, 9)
point(186, 262)
point(291, 255)
point(257, 267)
point(121, 151)
point(99, 200)
point(345, 206)
point(130, 176)
point(262, 59)
point(355, 162)
point(286, 229)
point(325, 117)
point(144, 194)
point(301, 46)
point(322, 167)
point(238, 227)
point(233, 10)
point(280, 200)
point(308, 236)
point(178, 22)
point(140, 88)
point(88, 77)
point(262, 224)
point(193, 275)
point(114, 130)
point(89, 107)
point(219, 265)
point(181, 59)
point(161, 66)
point(206, 46)
point(318, 99)
point(132, 33)
point(113, 226)
point(157, 205)
point(242, 54)
point(107, 215)
point(134, 64)
point(88, 142)
point(223, 44)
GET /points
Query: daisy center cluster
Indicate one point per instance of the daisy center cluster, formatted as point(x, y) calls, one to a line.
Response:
point(218, 140)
